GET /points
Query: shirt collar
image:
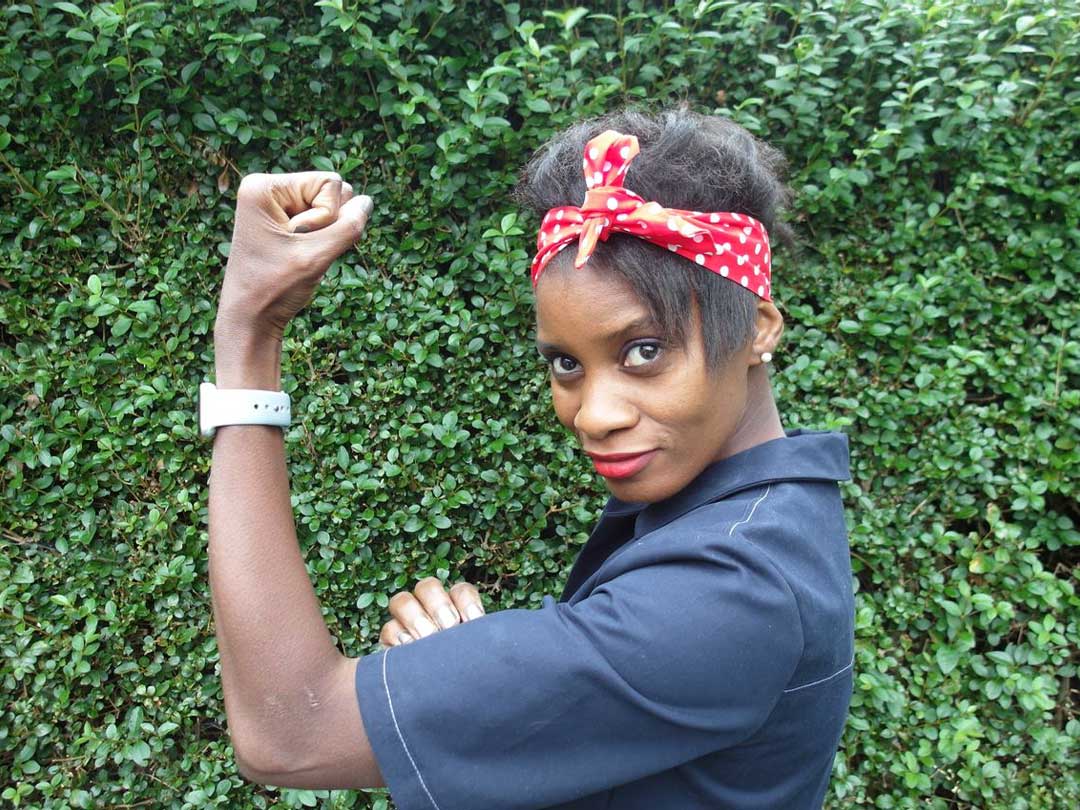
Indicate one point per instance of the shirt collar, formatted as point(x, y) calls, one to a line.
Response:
point(802, 455)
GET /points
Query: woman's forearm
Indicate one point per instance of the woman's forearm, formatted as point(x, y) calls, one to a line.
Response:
point(274, 646)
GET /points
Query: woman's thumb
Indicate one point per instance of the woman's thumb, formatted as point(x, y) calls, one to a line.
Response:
point(352, 219)
point(342, 233)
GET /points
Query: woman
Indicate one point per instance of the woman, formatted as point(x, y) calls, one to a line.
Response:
point(701, 653)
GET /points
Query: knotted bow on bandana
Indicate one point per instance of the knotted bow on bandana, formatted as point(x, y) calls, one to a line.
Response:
point(735, 246)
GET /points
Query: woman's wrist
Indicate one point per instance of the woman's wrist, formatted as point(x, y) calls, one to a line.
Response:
point(245, 359)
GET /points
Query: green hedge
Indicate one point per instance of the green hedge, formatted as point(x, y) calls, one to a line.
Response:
point(931, 315)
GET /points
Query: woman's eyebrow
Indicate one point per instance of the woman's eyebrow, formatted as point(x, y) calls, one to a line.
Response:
point(638, 323)
point(633, 326)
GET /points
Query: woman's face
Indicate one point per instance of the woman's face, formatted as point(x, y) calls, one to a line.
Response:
point(618, 388)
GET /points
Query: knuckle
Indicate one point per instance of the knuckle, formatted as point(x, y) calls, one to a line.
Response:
point(251, 184)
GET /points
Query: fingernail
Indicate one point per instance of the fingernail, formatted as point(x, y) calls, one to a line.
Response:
point(368, 204)
point(301, 229)
point(404, 637)
point(425, 628)
point(474, 611)
point(446, 616)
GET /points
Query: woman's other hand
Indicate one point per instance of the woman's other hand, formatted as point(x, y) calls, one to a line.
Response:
point(428, 609)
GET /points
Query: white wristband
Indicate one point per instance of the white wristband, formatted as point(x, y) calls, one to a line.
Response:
point(241, 406)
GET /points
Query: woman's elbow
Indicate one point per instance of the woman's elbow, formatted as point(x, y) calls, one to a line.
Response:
point(253, 762)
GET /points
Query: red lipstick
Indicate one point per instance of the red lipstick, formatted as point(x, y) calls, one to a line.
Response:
point(620, 465)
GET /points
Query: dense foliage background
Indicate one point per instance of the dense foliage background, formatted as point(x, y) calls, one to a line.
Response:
point(932, 316)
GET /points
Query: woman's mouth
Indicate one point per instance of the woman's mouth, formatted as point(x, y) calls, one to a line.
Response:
point(621, 465)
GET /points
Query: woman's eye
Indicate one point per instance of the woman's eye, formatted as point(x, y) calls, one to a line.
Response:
point(642, 353)
point(563, 365)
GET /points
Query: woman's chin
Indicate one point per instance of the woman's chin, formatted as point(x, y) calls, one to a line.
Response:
point(640, 488)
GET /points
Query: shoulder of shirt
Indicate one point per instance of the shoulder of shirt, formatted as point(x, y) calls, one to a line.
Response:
point(801, 457)
point(722, 524)
point(722, 518)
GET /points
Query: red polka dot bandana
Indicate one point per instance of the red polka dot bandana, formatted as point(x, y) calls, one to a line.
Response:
point(732, 245)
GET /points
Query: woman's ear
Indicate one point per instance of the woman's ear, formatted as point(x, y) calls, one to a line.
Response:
point(768, 326)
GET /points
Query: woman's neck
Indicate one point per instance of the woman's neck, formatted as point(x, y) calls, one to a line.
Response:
point(761, 421)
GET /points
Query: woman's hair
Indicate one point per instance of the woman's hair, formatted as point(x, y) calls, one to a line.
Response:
point(689, 161)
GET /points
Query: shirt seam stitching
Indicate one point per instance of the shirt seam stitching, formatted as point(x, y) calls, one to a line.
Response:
point(753, 508)
point(768, 558)
point(787, 585)
point(734, 489)
point(401, 737)
point(636, 540)
point(822, 680)
point(798, 611)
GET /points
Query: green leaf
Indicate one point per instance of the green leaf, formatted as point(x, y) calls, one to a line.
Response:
point(62, 173)
point(1024, 22)
point(947, 658)
point(72, 8)
point(538, 105)
point(138, 752)
point(121, 326)
point(189, 70)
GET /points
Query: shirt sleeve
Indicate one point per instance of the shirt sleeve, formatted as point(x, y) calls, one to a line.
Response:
point(525, 709)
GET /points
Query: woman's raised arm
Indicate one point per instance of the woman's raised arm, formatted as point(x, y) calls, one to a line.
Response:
point(285, 683)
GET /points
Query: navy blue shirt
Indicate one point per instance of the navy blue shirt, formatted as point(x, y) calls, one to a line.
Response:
point(700, 656)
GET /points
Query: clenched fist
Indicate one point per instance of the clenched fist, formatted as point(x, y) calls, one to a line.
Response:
point(428, 609)
point(289, 228)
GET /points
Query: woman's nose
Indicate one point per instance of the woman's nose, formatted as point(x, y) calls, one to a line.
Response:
point(602, 410)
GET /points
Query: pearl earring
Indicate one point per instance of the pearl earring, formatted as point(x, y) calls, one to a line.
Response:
point(766, 357)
